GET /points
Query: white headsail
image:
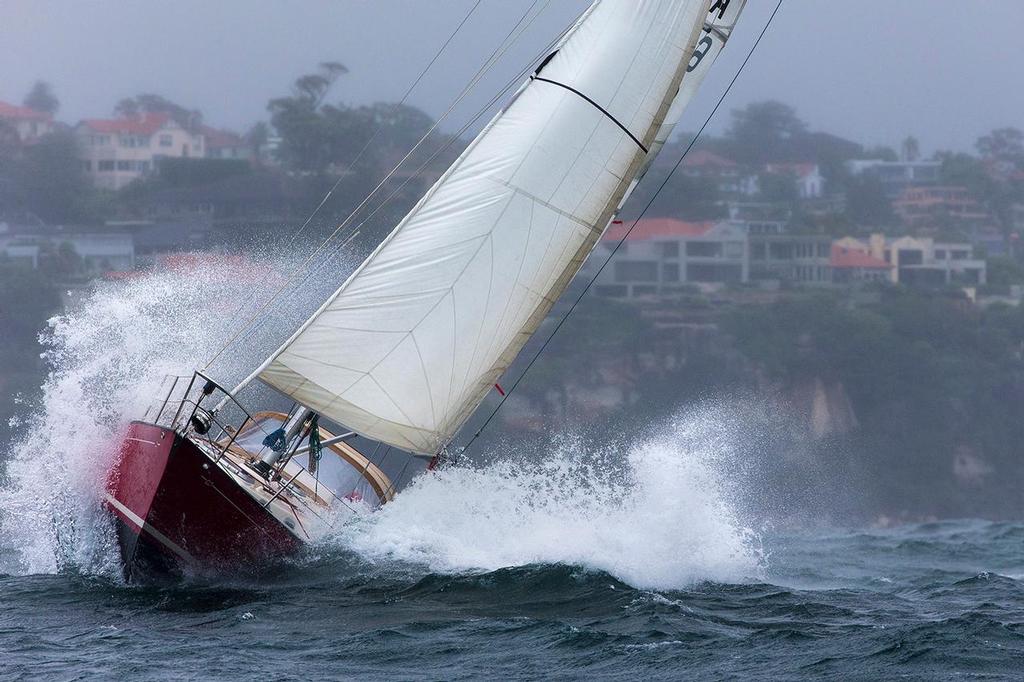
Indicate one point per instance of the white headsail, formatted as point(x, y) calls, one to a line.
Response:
point(413, 341)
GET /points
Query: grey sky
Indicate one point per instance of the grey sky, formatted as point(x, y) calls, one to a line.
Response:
point(871, 70)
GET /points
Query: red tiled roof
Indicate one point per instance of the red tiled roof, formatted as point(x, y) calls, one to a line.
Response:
point(705, 159)
point(221, 138)
point(16, 112)
point(843, 257)
point(652, 228)
point(147, 124)
point(799, 169)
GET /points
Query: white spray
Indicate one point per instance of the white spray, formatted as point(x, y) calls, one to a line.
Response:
point(655, 514)
point(108, 356)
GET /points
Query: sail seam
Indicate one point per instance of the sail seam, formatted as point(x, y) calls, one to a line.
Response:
point(537, 200)
point(596, 106)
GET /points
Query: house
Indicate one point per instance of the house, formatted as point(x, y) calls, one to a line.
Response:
point(28, 124)
point(780, 257)
point(661, 255)
point(728, 176)
point(923, 261)
point(224, 144)
point(923, 206)
point(116, 152)
point(896, 176)
point(851, 265)
point(98, 252)
point(810, 183)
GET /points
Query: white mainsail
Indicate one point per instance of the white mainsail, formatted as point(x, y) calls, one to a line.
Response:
point(412, 342)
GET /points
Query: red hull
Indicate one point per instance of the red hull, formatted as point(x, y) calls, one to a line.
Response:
point(178, 513)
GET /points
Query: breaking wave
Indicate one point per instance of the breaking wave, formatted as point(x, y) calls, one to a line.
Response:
point(656, 514)
point(107, 358)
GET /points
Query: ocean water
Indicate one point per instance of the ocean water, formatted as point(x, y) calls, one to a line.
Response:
point(933, 601)
point(642, 560)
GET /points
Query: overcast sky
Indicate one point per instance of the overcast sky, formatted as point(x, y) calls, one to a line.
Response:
point(871, 70)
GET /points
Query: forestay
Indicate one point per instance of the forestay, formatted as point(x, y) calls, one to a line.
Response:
point(413, 341)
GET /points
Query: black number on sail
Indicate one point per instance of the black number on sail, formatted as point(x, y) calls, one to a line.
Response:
point(703, 47)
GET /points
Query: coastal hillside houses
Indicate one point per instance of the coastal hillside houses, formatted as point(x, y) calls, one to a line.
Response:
point(727, 176)
point(115, 152)
point(28, 124)
point(897, 176)
point(664, 257)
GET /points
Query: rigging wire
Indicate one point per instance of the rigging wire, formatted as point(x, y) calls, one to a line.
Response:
point(496, 55)
point(621, 241)
point(518, 78)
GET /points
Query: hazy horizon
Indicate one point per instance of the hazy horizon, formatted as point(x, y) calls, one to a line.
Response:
point(870, 71)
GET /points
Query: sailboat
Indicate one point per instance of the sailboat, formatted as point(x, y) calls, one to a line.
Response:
point(410, 345)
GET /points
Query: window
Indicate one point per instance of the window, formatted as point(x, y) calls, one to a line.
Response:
point(704, 249)
point(105, 165)
point(644, 290)
point(670, 272)
point(636, 271)
point(959, 254)
point(669, 249)
point(940, 254)
point(734, 249)
point(611, 291)
point(911, 256)
point(124, 165)
point(824, 249)
point(708, 272)
point(757, 250)
point(166, 141)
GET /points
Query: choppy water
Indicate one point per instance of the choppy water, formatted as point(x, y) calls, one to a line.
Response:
point(934, 601)
point(640, 561)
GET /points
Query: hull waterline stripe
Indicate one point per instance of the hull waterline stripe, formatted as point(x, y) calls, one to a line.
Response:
point(596, 106)
point(143, 526)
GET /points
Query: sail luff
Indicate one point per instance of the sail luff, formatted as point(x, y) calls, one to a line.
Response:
point(412, 342)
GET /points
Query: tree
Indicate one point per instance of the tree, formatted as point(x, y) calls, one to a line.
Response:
point(911, 149)
point(149, 103)
point(1002, 144)
point(866, 201)
point(761, 131)
point(50, 182)
point(882, 153)
point(257, 137)
point(41, 98)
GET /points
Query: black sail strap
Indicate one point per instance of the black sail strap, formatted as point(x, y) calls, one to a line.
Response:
point(592, 103)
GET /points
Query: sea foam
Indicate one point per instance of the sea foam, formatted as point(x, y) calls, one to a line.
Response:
point(656, 513)
point(107, 358)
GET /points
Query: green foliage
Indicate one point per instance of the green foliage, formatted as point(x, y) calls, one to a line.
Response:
point(1004, 271)
point(149, 103)
point(49, 181)
point(41, 98)
point(761, 131)
point(866, 201)
point(1002, 144)
point(928, 376)
point(191, 172)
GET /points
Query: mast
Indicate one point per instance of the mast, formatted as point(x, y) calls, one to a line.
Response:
point(411, 343)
